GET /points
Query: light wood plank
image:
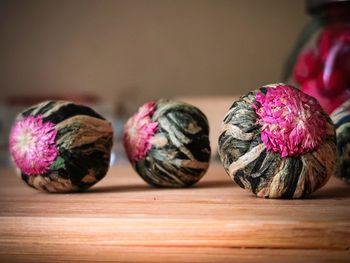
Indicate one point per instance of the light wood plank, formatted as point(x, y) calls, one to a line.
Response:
point(124, 219)
point(108, 253)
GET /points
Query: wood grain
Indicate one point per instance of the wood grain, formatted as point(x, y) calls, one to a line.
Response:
point(123, 219)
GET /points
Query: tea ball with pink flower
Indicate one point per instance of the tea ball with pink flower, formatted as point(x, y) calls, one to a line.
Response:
point(59, 146)
point(278, 142)
point(167, 143)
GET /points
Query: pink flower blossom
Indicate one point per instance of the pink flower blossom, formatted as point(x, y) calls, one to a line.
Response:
point(292, 121)
point(138, 131)
point(32, 145)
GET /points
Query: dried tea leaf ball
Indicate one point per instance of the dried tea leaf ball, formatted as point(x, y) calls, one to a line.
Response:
point(167, 143)
point(278, 142)
point(341, 119)
point(59, 146)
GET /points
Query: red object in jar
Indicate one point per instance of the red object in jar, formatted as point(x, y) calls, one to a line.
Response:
point(307, 66)
point(334, 78)
point(322, 68)
point(329, 104)
point(333, 84)
point(342, 60)
point(329, 37)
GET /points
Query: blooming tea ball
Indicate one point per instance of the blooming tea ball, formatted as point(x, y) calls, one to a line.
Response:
point(167, 143)
point(59, 146)
point(278, 142)
point(341, 119)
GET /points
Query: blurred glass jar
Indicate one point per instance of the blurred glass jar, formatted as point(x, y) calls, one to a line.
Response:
point(320, 62)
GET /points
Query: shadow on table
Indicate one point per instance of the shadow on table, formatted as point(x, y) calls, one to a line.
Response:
point(332, 192)
point(146, 187)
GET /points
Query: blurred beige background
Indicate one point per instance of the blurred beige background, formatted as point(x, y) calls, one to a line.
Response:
point(145, 49)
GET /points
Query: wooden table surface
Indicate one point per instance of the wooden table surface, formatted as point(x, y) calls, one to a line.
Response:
point(123, 219)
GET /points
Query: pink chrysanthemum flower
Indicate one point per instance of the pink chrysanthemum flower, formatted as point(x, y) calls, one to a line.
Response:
point(292, 121)
point(138, 131)
point(32, 145)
